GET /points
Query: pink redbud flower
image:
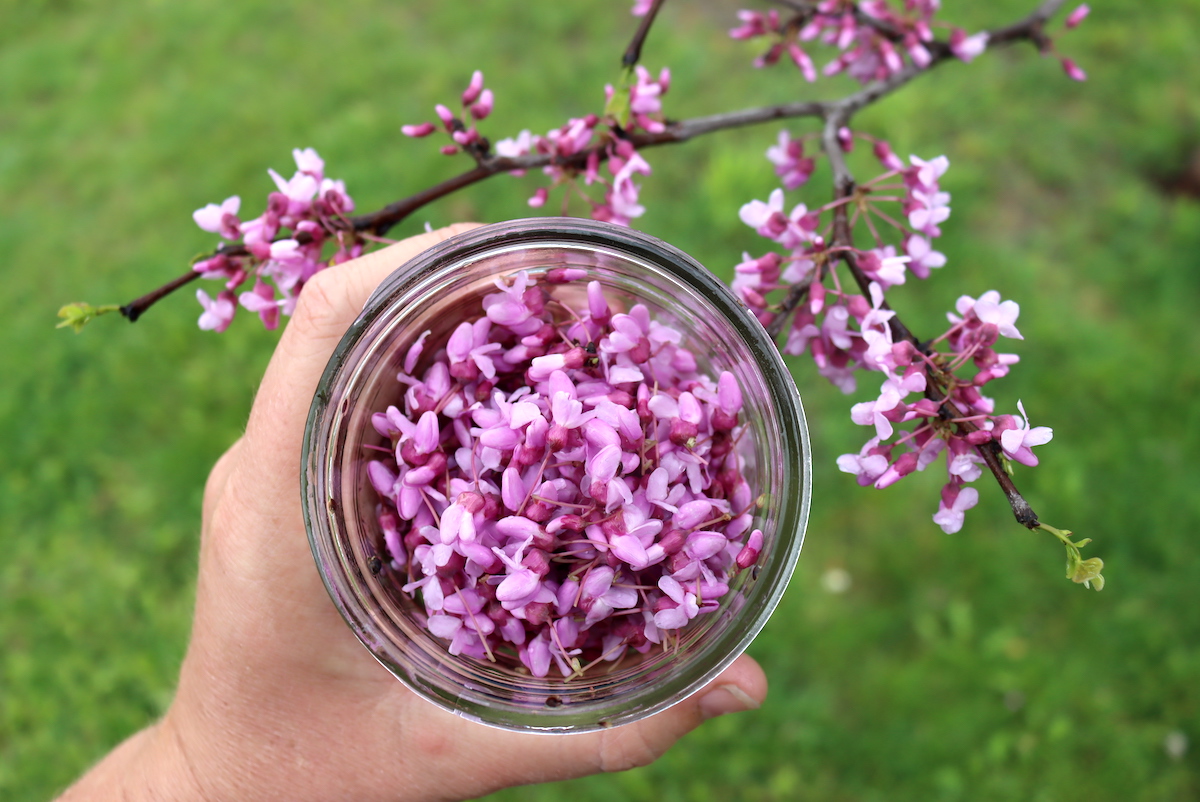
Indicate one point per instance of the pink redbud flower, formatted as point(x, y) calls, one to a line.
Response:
point(217, 314)
point(220, 219)
point(419, 130)
point(788, 157)
point(1073, 70)
point(868, 465)
point(641, 7)
point(955, 501)
point(261, 300)
point(471, 93)
point(966, 48)
point(989, 309)
point(1077, 16)
point(309, 163)
point(483, 107)
point(922, 257)
point(1017, 442)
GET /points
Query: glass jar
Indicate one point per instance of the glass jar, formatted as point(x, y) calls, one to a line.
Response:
point(436, 291)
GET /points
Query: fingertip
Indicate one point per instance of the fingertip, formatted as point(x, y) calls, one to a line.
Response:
point(741, 687)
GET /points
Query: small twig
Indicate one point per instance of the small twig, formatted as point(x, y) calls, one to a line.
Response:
point(633, 53)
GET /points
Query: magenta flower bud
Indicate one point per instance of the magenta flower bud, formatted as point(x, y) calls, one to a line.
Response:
point(574, 358)
point(465, 371)
point(483, 108)
point(564, 275)
point(816, 297)
point(538, 199)
point(538, 511)
point(683, 433)
point(1077, 16)
point(544, 541)
point(903, 353)
point(906, 464)
point(495, 610)
point(672, 541)
point(491, 506)
point(448, 150)
point(471, 501)
point(925, 408)
point(1073, 70)
point(445, 115)
point(537, 613)
point(845, 139)
point(858, 307)
point(471, 93)
point(678, 561)
point(419, 130)
point(413, 539)
point(571, 522)
point(597, 304)
point(749, 553)
point(979, 437)
point(452, 566)
point(407, 452)
point(537, 561)
point(887, 158)
point(746, 557)
point(722, 421)
point(534, 301)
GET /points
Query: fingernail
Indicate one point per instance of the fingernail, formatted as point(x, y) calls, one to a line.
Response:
point(726, 699)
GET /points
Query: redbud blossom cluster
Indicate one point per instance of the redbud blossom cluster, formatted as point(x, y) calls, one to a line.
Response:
point(845, 331)
point(930, 400)
point(309, 207)
point(874, 40)
point(588, 148)
point(563, 484)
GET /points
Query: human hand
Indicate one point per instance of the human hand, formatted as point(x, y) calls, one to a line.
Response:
point(277, 698)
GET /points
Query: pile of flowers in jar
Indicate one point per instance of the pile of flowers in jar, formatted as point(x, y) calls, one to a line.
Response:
point(563, 484)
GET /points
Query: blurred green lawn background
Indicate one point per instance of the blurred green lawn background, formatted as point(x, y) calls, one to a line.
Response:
point(952, 667)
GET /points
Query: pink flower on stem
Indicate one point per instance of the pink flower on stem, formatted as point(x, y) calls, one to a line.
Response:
point(788, 157)
point(1017, 440)
point(261, 300)
point(1073, 70)
point(966, 48)
point(218, 314)
point(221, 219)
point(954, 503)
point(922, 256)
point(1078, 15)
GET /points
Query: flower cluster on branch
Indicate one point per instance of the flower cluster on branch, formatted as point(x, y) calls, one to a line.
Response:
point(821, 287)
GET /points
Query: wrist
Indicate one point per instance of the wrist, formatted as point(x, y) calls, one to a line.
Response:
point(149, 765)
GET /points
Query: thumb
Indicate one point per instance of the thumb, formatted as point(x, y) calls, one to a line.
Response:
point(522, 759)
point(742, 686)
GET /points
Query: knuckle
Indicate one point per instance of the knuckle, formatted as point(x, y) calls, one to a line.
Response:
point(218, 477)
point(318, 309)
point(621, 751)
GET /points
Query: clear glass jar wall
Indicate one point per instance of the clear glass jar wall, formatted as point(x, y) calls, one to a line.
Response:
point(436, 291)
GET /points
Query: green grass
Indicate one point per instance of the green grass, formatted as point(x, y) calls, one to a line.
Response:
point(955, 667)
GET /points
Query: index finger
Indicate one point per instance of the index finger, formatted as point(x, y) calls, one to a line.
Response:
point(329, 303)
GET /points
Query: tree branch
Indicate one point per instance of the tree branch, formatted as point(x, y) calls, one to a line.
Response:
point(835, 113)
